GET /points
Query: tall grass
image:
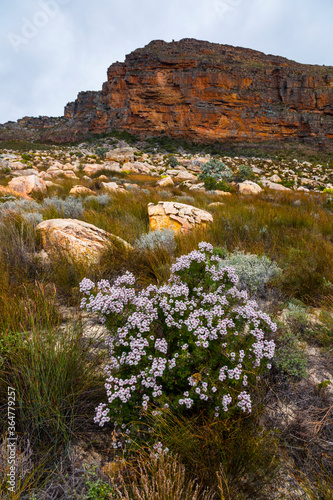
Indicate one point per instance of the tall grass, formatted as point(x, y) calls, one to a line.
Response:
point(57, 379)
point(234, 455)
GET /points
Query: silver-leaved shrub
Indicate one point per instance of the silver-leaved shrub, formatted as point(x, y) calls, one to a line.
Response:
point(156, 239)
point(195, 343)
point(253, 271)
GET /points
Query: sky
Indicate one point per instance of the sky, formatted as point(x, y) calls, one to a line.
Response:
point(52, 49)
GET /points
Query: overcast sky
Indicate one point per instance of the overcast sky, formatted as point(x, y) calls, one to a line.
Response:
point(52, 49)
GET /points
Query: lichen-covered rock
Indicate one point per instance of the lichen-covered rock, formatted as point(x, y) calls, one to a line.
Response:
point(176, 216)
point(77, 238)
point(249, 187)
point(27, 184)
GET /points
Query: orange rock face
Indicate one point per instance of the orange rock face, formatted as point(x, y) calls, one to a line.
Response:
point(205, 92)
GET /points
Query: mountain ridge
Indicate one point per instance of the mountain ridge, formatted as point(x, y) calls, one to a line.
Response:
point(198, 91)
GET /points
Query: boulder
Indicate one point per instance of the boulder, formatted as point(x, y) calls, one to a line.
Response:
point(197, 187)
point(176, 216)
point(70, 174)
point(165, 182)
point(216, 204)
point(77, 238)
point(17, 165)
point(249, 187)
point(275, 178)
point(112, 166)
point(128, 166)
point(4, 191)
point(186, 176)
point(91, 169)
point(81, 190)
point(112, 187)
point(222, 193)
point(24, 173)
point(274, 186)
point(27, 184)
point(121, 154)
point(142, 168)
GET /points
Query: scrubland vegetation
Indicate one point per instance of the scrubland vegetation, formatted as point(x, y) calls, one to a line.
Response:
point(53, 353)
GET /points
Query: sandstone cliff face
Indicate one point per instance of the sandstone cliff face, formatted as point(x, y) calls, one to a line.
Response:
point(204, 91)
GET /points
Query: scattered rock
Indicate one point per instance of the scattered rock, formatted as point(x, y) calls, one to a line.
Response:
point(274, 186)
point(275, 178)
point(24, 173)
point(27, 184)
point(216, 204)
point(249, 187)
point(112, 187)
point(4, 191)
point(197, 187)
point(176, 216)
point(165, 182)
point(81, 190)
point(77, 238)
point(93, 168)
point(121, 154)
point(112, 166)
point(221, 193)
point(186, 176)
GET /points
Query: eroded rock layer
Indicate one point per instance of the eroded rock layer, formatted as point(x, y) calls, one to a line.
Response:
point(202, 91)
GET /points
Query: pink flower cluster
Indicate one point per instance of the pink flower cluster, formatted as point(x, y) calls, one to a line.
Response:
point(197, 340)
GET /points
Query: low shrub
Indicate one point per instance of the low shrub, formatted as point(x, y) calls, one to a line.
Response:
point(70, 207)
point(194, 344)
point(216, 169)
point(245, 173)
point(212, 184)
point(173, 162)
point(290, 358)
point(155, 239)
point(253, 271)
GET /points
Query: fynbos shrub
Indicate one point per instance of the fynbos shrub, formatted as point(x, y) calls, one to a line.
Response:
point(70, 207)
point(156, 239)
point(253, 271)
point(216, 169)
point(195, 343)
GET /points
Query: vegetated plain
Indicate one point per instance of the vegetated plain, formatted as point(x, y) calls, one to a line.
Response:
point(53, 354)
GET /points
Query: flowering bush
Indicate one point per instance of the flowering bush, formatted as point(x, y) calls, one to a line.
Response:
point(196, 342)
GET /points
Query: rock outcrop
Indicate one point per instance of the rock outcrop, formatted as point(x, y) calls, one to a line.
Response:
point(176, 216)
point(199, 91)
point(77, 238)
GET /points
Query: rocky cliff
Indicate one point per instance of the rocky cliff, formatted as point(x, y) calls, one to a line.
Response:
point(204, 92)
